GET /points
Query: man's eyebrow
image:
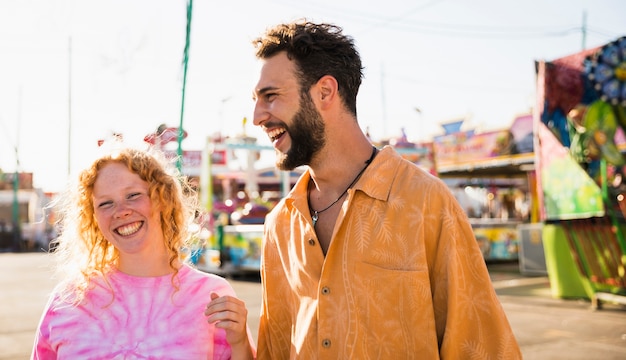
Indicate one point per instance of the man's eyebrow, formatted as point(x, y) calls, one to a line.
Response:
point(262, 91)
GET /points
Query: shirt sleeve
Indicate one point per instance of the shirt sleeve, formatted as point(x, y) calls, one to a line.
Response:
point(470, 318)
point(42, 348)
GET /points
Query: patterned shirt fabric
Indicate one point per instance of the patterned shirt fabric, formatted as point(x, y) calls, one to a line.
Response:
point(403, 277)
point(136, 318)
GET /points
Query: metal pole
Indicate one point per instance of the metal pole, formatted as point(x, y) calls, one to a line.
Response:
point(383, 99)
point(584, 29)
point(17, 241)
point(420, 126)
point(17, 238)
point(179, 162)
point(206, 177)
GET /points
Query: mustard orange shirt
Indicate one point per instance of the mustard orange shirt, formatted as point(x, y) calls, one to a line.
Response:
point(403, 277)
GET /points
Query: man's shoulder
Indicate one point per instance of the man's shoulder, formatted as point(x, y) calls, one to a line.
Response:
point(392, 160)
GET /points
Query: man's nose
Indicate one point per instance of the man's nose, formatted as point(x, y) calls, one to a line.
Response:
point(260, 114)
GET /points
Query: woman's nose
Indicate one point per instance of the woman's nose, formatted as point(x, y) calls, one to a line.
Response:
point(122, 211)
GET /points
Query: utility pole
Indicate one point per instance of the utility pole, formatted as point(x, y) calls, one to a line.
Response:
point(584, 29)
point(17, 237)
point(383, 99)
point(420, 125)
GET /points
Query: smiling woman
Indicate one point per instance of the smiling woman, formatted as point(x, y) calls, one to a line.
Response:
point(124, 279)
point(125, 216)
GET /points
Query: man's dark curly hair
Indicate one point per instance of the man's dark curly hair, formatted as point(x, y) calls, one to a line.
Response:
point(318, 50)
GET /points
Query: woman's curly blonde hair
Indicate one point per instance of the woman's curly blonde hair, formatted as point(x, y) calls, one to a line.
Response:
point(81, 249)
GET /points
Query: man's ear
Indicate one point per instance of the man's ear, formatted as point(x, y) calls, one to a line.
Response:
point(326, 91)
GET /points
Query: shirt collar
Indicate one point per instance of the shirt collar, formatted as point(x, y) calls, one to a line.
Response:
point(376, 181)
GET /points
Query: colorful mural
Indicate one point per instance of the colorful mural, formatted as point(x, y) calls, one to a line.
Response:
point(467, 147)
point(582, 108)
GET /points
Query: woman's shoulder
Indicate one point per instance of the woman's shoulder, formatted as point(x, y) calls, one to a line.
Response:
point(207, 281)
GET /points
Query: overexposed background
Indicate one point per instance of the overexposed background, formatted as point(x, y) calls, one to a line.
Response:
point(75, 71)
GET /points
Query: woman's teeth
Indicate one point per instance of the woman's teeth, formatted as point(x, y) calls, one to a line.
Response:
point(129, 229)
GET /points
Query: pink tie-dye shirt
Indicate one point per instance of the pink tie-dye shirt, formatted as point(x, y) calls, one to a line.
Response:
point(141, 318)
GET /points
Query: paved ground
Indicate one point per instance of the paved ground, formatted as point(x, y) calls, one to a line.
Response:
point(549, 328)
point(546, 328)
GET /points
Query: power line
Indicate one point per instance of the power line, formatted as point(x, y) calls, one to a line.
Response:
point(402, 23)
point(473, 31)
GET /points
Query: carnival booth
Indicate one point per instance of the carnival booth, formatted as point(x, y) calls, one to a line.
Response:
point(237, 194)
point(492, 175)
point(579, 120)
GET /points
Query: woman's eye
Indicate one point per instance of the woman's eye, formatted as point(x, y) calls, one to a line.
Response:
point(134, 195)
point(105, 204)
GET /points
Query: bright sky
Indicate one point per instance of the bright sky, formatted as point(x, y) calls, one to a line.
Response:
point(449, 58)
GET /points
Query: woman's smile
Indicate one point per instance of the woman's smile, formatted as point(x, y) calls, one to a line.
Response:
point(129, 229)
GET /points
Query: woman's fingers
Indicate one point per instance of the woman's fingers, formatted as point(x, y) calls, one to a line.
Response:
point(228, 313)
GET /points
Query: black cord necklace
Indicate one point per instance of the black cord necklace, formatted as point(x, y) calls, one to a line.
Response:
point(315, 213)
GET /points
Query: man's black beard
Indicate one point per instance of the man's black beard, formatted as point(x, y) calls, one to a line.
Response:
point(306, 133)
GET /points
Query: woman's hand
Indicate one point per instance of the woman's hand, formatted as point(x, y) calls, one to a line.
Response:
point(230, 313)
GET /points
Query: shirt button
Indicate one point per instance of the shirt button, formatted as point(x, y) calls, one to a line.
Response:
point(325, 290)
point(326, 343)
point(311, 242)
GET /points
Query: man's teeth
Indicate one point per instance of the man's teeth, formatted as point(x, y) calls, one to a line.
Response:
point(275, 133)
point(129, 229)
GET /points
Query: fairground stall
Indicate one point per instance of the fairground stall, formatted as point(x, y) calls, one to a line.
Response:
point(580, 119)
point(237, 194)
point(492, 175)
